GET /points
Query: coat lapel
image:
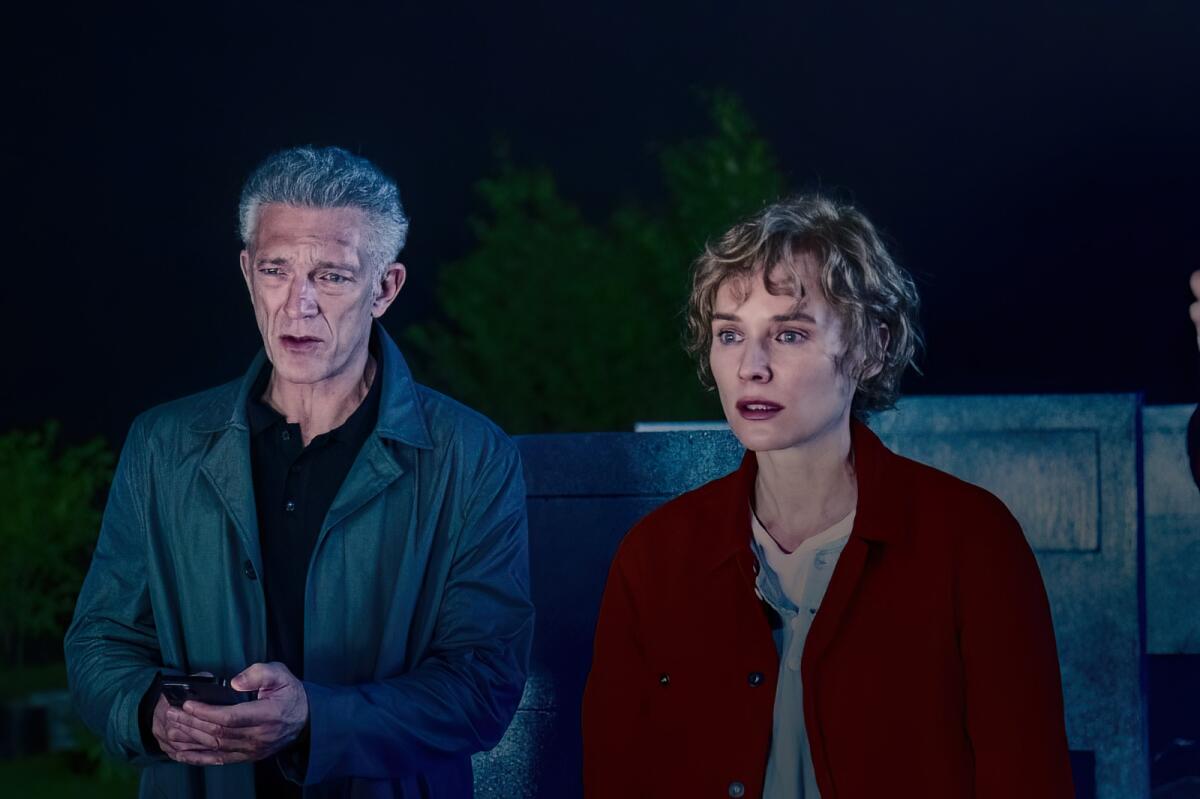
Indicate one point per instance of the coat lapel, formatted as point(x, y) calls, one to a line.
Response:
point(380, 462)
point(876, 522)
point(842, 587)
point(226, 465)
point(374, 470)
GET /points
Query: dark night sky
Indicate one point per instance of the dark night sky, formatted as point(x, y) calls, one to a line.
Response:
point(1036, 165)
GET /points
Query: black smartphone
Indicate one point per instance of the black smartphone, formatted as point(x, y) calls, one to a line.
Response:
point(203, 688)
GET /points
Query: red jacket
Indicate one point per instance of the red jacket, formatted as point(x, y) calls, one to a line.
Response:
point(930, 669)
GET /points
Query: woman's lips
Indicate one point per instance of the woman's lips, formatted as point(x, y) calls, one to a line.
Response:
point(299, 344)
point(756, 410)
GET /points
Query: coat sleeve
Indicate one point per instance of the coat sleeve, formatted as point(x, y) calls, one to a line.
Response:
point(614, 700)
point(461, 698)
point(111, 647)
point(1014, 705)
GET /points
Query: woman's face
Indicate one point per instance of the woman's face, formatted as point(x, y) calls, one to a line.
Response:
point(774, 360)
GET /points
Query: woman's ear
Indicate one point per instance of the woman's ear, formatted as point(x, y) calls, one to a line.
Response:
point(876, 355)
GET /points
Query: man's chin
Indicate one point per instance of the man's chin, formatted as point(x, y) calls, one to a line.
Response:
point(300, 371)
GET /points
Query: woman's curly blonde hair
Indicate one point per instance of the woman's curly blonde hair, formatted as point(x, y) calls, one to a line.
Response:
point(863, 285)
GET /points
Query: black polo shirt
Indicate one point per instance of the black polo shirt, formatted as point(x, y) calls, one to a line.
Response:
point(294, 486)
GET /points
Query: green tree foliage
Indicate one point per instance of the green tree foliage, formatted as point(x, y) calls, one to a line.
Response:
point(553, 323)
point(50, 498)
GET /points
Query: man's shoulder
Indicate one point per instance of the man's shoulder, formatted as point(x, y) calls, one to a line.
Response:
point(455, 425)
point(195, 410)
point(199, 412)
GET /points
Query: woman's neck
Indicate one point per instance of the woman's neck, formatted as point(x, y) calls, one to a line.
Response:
point(804, 490)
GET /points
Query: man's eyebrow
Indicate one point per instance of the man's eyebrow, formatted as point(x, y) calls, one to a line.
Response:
point(281, 261)
point(337, 265)
point(726, 317)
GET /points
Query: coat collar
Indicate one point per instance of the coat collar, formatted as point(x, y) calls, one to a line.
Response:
point(401, 417)
point(876, 516)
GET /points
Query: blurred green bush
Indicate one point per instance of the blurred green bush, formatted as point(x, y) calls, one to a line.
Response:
point(553, 323)
point(50, 496)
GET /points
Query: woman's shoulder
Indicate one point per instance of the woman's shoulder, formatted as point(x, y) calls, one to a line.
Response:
point(930, 485)
point(942, 506)
point(700, 518)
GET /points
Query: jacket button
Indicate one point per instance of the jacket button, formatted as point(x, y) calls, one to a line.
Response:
point(248, 570)
point(755, 678)
point(664, 679)
point(736, 789)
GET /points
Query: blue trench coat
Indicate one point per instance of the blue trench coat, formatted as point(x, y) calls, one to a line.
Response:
point(417, 617)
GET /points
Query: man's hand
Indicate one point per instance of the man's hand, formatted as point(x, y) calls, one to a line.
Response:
point(213, 735)
point(172, 738)
point(1194, 310)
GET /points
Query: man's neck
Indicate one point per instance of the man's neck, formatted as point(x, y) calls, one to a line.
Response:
point(324, 406)
point(804, 490)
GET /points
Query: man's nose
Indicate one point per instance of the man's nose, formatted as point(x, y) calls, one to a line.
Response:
point(756, 363)
point(302, 299)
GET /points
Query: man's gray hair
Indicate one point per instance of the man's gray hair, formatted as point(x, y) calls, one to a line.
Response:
point(328, 177)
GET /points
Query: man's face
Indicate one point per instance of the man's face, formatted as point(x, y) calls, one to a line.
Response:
point(313, 296)
point(774, 361)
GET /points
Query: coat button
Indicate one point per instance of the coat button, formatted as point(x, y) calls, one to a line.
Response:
point(664, 679)
point(248, 570)
point(289, 506)
point(736, 789)
point(755, 678)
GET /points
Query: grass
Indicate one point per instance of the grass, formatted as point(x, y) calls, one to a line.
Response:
point(56, 775)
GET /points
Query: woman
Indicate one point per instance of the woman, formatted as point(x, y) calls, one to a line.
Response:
point(831, 619)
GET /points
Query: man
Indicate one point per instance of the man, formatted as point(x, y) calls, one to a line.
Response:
point(346, 544)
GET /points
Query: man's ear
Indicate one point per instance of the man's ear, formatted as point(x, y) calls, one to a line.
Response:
point(244, 259)
point(388, 288)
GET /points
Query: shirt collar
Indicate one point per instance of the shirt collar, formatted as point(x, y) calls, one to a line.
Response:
point(401, 413)
point(260, 415)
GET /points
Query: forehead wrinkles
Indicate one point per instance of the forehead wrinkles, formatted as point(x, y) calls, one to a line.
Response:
point(309, 247)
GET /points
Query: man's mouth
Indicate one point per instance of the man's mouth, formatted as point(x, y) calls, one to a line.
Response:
point(755, 409)
point(299, 343)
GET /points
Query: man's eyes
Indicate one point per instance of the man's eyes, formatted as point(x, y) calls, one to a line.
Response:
point(727, 337)
point(332, 278)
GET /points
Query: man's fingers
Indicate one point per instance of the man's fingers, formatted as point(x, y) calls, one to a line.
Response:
point(178, 734)
point(1195, 282)
point(180, 716)
point(247, 714)
point(259, 675)
point(1194, 311)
